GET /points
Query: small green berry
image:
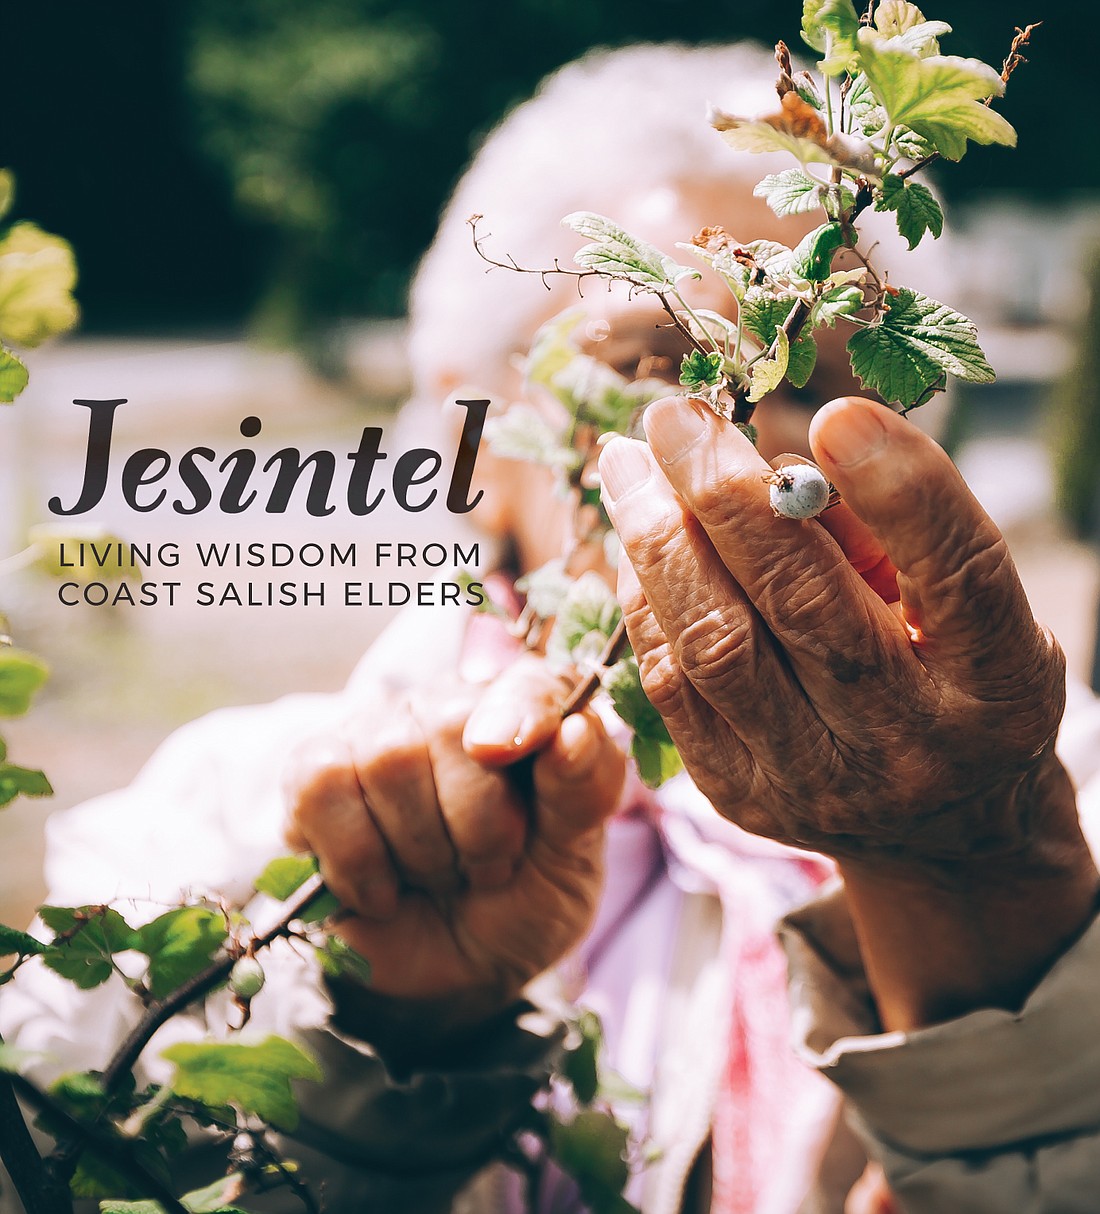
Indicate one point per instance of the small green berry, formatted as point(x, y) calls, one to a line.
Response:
point(246, 979)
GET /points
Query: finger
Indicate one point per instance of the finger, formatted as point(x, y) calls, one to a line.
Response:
point(959, 587)
point(870, 1194)
point(328, 818)
point(834, 631)
point(704, 739)
point(862, 549)
point(718, 639)
point(578, 780)
point(518, 713)
point(482, 809)
point(394, 770)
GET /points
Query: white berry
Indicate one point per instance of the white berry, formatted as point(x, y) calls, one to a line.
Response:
point(798, 491)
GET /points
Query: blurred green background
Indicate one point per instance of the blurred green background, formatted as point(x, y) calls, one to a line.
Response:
point(284, 162)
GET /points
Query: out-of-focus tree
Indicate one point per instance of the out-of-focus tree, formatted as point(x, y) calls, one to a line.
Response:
point(342, 123)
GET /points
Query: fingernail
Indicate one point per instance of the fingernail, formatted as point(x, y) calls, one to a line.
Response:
point(673, 427)
point(852, 435)
point(498, 725)
point(577, 737)
point(624, 467)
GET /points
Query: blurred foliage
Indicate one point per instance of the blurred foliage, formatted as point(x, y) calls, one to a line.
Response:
point(343, 123)
point(1077, 425)
point(205, 156)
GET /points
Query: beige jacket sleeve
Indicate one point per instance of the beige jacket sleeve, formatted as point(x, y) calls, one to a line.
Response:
point(992, 1113)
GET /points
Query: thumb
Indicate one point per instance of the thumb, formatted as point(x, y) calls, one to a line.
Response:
point(578, 780)
point(518, 713)
point(959, 588)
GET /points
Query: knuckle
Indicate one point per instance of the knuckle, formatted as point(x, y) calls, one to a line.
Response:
point(714, 649)
point(661, 676)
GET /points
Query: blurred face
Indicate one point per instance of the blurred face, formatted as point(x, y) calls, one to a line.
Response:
point(636, 338)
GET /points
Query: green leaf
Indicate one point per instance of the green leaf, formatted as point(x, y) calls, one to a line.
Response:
point(812, 258)
point(217, 1196)
point(916, 206)
point(763, 314)
point(15, 942)
point(796, 128)
point(580, 1064)
point(768, 373)
point(252, 1077)
point(592, 1149)
point(915, 343)
point(938, 97)
point(840, 301)
point(22, 782)
point(284, 876)
point(339, 960)
point(904, 26)
point(37, 277)
point(14, 376)
point(652, 748)
point(523, 433)
point(552, 347)
point(830, 26)
point(12, 1059)
point(699, 370)
point(545, 588)
point(614, 251)
point(791, 192)
point(86, 938)
point(179, 945)
point(117, 556)
point(21, 675)
point(586, 618)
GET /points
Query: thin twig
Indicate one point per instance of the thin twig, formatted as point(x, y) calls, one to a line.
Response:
point(66, 1154)
point(111, 1150)
point(39, 1190)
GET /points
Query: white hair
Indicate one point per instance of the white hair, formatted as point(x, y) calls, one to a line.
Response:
point(619, 132)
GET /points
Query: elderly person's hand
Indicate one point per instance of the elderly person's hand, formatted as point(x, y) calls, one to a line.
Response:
point(464, 875)
point(871, 685)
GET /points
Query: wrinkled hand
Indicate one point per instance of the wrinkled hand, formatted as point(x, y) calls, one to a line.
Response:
point(465, 878)
point(871, 685)
point(806, 704)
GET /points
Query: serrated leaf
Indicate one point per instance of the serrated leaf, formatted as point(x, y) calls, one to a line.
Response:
point(179, 945)
point(796, 128)
point(522, 433)
point(21, 675)
point(768, 373)
point(830, 26)
point(840, 301)
point(903, 25)
point(791, 192)
point(699, 370)
point(284, 876)
point(22, 782)
point(37, 277)
point(763, 314)
point(916, 207)
point(652, 749)
point(740, 264)
point(86, 938)
point(812, 257)
point(614, 251)
point(586, 618)
point(14, 376)
point(253, 1077)
point(915, 343)
point(592, 1149)
point(545, 588)
point(938, 97)
point(16, 942)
